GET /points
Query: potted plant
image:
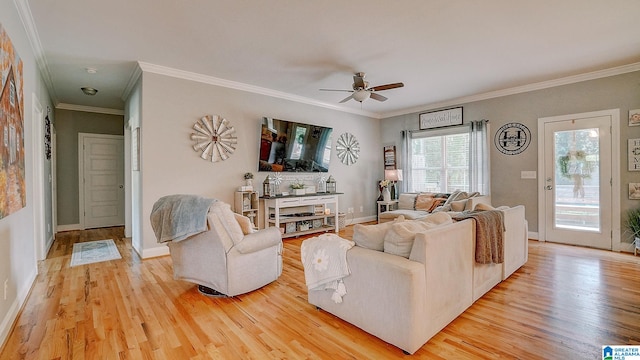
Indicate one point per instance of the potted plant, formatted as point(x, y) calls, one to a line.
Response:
point(248, 179)
point(632, 222)
point(298, 187)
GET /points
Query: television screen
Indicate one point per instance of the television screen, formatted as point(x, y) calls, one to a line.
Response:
point(288, 146)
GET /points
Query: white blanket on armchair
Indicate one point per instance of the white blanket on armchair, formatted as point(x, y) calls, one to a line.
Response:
point(325, 263)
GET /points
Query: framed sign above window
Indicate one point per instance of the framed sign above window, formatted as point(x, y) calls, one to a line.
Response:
point(436, 119)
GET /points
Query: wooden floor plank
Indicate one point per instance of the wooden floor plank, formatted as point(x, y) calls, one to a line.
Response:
point(566, 302)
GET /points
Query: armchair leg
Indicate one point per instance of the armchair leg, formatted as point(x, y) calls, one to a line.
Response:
point(209, 291)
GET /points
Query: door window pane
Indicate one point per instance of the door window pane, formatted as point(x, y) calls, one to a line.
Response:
point(577, 190)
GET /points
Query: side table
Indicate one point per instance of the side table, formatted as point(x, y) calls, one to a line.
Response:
point(386, 206)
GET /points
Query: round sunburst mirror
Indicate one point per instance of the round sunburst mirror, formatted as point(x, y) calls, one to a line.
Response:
point(214, 138)
point(348, 149)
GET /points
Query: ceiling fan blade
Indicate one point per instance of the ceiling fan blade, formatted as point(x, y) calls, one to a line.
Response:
point(335, 90)
point(387, 87)
point(377, 97)
point(347, 99)
point(358, 81)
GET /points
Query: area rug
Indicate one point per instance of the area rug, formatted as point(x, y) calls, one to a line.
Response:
point(94, 251)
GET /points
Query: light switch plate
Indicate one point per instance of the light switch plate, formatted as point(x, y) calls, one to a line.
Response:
point(528, 174)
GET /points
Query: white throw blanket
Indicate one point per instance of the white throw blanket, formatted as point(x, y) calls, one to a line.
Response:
point(325, 263)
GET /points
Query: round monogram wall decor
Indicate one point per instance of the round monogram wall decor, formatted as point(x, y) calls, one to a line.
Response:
point(214, 138)
point(512, 138)
point(348, 149)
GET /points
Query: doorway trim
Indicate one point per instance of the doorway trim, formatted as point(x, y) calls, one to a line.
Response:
point(615, 171)
point(81, 182)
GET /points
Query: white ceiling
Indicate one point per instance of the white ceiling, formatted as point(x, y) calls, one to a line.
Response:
point(441, 50)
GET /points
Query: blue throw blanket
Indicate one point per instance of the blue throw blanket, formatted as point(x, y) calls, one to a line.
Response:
point(176, 217)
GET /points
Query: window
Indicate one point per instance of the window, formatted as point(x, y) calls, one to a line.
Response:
point(447, 159)
point(440, 160)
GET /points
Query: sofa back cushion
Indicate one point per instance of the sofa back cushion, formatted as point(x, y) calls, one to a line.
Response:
point(399, 238)
point(372, 236)
point(407, 201)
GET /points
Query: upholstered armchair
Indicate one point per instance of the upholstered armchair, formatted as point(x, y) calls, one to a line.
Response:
point(228, 257)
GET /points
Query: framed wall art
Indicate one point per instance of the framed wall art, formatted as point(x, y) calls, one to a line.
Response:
point(634, 117)
point(634, 154)
point(441, 118)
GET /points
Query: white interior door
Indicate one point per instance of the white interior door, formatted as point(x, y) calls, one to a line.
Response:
point(577, 180)
point(102, 203)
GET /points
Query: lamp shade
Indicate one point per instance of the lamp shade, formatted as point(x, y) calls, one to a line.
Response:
point(391, 175)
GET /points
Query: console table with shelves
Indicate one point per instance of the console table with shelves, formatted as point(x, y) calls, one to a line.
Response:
point(247, 203)
point(302, 214)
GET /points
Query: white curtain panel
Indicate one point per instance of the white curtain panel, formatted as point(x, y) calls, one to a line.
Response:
point(480, 174)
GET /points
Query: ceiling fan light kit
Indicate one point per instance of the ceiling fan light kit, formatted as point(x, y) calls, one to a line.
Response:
point(361, 90)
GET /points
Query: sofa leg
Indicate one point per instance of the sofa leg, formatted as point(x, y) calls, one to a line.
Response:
point(209, 291)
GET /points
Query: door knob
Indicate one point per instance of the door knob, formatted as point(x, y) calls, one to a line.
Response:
point(121, 186)
point(549, 187)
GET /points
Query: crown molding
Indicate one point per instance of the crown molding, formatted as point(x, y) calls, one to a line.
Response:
point(24, 11)
point(187, 75)
point(619, 70)
point(91, 109)
point(133, 80)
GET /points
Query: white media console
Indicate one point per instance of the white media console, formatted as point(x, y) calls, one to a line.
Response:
point(302, 214)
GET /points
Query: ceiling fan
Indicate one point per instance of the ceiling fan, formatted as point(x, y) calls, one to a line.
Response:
point(361, 90)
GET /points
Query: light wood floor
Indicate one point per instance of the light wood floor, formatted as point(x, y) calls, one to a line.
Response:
point(564, 303)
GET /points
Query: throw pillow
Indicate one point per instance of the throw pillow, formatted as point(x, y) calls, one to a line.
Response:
point(245, 224)
point(424, 201)
point(458, 205)
point(406, 201)
point(483, 207)
point(372, 236)
point(435, 219)
point(399, 238)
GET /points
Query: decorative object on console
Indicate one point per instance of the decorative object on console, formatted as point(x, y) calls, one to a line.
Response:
point(298, 187)
point(214, 138)
point(248, 178)
point(348, 149)
point(331, 184)
point(386, 195)
point(321, 180)
point(632, 222)
point(268, 188)
point(393, 176)
point(277, 180)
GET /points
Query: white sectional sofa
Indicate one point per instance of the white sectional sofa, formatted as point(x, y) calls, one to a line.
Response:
point(406, 301)
point(407, 205)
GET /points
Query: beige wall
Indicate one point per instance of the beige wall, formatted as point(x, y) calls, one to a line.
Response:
point(69, 124)
point(615, 92)
point(171, 106)
point(17, 245)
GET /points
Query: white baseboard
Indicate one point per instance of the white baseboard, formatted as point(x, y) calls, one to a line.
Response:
point(14, 309)
point(533, 235)
point(68, 227)
point(154, 252)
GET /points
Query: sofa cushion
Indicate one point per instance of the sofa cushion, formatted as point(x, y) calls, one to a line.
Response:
point(483, 207)
point(435, 219)
point(407, 201)
point(406, 214)
point(245, 224)
point(399, 238)
point(372, 236)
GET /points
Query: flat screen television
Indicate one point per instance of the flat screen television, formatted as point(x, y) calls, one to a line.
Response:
point(287, 146)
